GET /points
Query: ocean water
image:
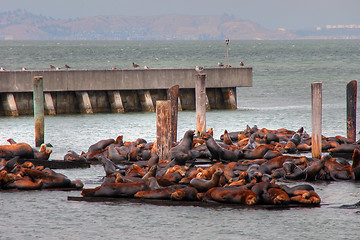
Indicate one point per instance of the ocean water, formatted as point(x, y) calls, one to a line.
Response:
point(280, 98)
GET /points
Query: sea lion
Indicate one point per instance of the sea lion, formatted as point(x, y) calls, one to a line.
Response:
point(181, 152)
point(73, 156)
point(203, 185)
point(116, 190)
point(291, 190)
point(313, 170)
point(293, 172)
point(276, 196)
point(218, 152)
point(100, 145)
point(307, 197)
point(159, 193)
point(23, 150)
point(114, 155)
point(108, 165)
point(185, 194)
point(25, 183)
point(236, 195)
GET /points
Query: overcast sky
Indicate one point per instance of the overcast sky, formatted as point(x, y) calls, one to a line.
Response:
point(272, 14)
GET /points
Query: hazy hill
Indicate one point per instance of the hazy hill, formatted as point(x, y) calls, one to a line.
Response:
point(22, 25)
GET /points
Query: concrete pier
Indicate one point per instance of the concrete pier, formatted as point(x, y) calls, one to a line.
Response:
point(117, 91)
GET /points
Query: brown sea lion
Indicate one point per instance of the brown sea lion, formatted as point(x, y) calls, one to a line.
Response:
point(310, 197)
point(276, 196)
point(26, 183)
point(22, 150)
point(236, 195)
point(159, 193)
point(116, 190)
point(73, 156)
point(203, 185)
point(301, 187)
point(313, 170)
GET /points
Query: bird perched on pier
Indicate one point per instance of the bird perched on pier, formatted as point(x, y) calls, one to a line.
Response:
point(241, 64)
point(24, 69)
point(58, 68)
point(67, 66)
point(199, 69)
point(2, 69)
point(146, 67)
point(135, 65)
point(113, 68)
point(220, 64)
point(52, 66)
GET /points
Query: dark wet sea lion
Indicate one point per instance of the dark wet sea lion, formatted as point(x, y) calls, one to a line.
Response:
point(181, 152)
point(108, 165)
point(313, 170)
point(185, 194)
point(73, 156)
point(218, 152)
point(100, 145)
point(203, 185)
point(115, 156)
point(11, 164)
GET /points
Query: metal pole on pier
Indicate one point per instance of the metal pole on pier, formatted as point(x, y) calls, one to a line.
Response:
point(316, 118)
point(38, 95)
point(173, 94)
point(163, 133)
point(351, 95)
point(200, 103)
point(227, 41)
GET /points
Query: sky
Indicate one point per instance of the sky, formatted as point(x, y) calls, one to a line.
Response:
point(271, 14)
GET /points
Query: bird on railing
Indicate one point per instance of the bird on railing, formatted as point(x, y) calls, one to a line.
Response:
point(67, 66)
point(113, 68)
point(199, 69)
point(220, 64)
point(52, 67)
point(135, 65)
point(2, 69)
point(241, 64)
point(146, 67)
point(58, 68)
point(24, 69)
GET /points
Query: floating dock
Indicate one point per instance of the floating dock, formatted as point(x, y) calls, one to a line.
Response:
point(117, 91)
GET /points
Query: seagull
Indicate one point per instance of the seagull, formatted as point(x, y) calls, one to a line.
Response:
point(199, 69)
point(241, 64)
point(67, 66)
point(2, 69)
point(58, 68)
point(220, 64)
point(52, 67)
point(135, 65)
point(24, 69)
point(113, 68)
point(146, 67)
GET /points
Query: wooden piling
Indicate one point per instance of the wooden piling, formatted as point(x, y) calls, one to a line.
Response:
point(173, 95)
point(163, 126)
point(351, 99)
point(38, 96)
point(316, 118)
point(200, 104)
point(229, 98)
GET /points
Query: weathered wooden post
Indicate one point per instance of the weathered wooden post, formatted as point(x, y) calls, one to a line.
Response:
point(200, 104)
point(163, 133)
point(316, 118)
point(173, 94)
point(351, 95)
point(38, 95)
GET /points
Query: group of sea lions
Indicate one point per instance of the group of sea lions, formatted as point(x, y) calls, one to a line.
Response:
point(244, 172)
point(26, 176)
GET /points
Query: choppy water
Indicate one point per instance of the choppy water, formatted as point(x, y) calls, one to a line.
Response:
point(280, 97)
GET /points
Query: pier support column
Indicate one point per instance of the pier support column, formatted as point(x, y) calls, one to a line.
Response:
point(84, 102)
point(146, 101)
point(207, 103)
point(316, 119)
point(229, 98)
point(9, 104)
point(116, 102)
point(200, 103)
point(351, 97)
point(38, 96)
point(179, 104)
point(163, 128)
point(49, 104)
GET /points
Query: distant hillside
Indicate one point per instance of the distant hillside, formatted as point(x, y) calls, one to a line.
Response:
point(22, 25)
